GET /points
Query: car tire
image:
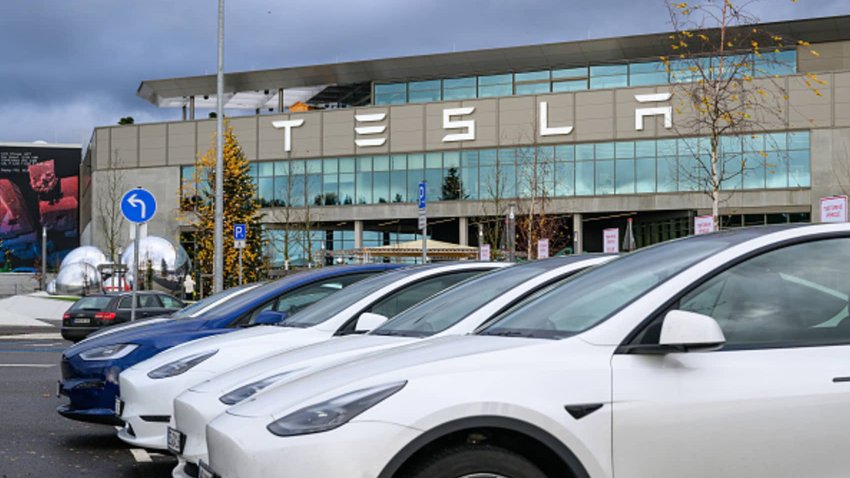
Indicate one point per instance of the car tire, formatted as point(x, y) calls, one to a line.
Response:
point(479, 461)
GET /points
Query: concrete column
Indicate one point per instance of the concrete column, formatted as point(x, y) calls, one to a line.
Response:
point(191, 108)
point(280, 105)
point(578, 234)
point(184, 112)
point(463, 231)
point(358, 234)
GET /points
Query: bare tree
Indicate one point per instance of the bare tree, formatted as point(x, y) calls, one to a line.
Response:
point(536, 184)
point(720, 70)
point(109, 195)
point(494, 203)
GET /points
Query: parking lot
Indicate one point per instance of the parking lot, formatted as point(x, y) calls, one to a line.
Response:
point(36, 441)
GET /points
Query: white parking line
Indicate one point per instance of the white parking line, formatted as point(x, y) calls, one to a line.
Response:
point(27, 365)
point(45, 336)
point(140, 455)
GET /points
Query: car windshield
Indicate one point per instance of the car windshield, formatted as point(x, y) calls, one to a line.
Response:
point(453, 305)
point(326, 308)
point(91, 303)
point(206, 303)
point(590, 298)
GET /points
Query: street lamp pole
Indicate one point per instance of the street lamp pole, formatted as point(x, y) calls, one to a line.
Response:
point(218, 239)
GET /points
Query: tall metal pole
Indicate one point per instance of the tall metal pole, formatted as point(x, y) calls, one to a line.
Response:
point(511, 234)
point(134, 298)
point(218, 258)
point(43, 258)
point(240, 266)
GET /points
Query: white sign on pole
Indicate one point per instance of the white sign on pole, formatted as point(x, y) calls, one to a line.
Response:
point(484, 252)
point(703, 225)
point(543, 248)
point(833, 209)
point(239, 244)
point(611, 240)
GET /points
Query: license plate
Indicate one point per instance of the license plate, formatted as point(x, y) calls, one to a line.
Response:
point(176, 440)
point(119, 407)
point(204, 471)
point(82, 321)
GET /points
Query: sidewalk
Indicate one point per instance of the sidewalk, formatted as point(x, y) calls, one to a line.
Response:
point(31, 311)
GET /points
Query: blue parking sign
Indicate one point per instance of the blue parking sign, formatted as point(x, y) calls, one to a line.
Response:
point(240, 232)
point(422, 201)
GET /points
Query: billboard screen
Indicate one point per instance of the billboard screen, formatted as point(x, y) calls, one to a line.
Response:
point(39, 187)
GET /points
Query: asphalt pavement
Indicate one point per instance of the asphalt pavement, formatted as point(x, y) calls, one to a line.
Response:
point(34, 440)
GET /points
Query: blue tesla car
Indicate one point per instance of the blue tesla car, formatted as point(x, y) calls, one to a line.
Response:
point(90, 368)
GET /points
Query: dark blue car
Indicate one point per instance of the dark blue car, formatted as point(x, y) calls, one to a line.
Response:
point(90, 368)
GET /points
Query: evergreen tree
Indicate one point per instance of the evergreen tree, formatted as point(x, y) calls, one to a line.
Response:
point(452, 186)
point(240, 207)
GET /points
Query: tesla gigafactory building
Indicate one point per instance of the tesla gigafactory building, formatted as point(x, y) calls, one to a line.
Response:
point(348, 143)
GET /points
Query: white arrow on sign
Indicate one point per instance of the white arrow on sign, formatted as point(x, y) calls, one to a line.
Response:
point(136, 202)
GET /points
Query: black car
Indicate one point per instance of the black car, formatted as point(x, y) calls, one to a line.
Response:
point(93, 312)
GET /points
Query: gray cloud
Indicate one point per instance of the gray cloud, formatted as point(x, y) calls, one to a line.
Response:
point(71, 65)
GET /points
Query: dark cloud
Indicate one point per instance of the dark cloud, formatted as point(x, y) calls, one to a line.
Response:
point(68, 66)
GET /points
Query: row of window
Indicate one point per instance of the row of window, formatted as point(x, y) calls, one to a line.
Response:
point(581, 78)
point(770, 161)
point(298, 245)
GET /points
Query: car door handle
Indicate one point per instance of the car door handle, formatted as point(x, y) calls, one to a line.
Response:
point(841, 380)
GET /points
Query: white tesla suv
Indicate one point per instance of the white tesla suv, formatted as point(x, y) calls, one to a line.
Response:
point(458, 310)
point(720, 355)
point(148, 388)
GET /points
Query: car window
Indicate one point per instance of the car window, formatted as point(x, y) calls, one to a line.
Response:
point(149, 301)
point(170, 302)
point(792, 296)
point(413, 294)
point(125, 302)
point(453, 305)
point(295, 300)
point(91, 303)
point(591, 297)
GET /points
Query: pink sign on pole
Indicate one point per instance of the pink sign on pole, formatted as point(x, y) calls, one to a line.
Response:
point(484, 252)
point(833, 209)
point(611, 240)
point(703, 225)
point(543, 248)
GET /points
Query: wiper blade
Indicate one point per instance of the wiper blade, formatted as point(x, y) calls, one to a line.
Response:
point(508, 333)
point(391, 333)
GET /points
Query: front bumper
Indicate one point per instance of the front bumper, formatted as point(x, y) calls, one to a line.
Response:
point(241, 447)
point(91, 389)
point(192, 412)
point(148, 405)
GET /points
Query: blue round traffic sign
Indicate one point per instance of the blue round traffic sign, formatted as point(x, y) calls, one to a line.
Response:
point(138, 205)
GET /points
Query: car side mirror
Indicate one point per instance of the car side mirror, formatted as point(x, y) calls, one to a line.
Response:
point(688, 331)
point(270, 317)
point(369, 321)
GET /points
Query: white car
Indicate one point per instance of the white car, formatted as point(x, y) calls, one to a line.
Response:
point(723, 355)
point(149, 387)
point(458, 310)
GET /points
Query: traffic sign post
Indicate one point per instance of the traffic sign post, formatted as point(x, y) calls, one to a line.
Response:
point(240, 239)
point(138, 206)
point(423, 221)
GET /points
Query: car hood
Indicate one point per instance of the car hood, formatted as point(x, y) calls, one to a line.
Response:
point(125, 327)
point(139, 334)
point(301, 360)
point(369, 370)
point(263, 339)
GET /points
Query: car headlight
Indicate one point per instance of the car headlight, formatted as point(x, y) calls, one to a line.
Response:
point(246, 391)
point(109, 352)
point(180, 366)
point(332, 413)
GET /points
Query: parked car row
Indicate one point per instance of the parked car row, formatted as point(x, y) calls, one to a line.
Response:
point(719, 355)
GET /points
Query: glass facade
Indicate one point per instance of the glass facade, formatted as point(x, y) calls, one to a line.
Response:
point(591, 77)
point(752, 162)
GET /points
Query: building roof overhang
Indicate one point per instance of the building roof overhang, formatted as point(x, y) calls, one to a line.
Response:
point(258, 89)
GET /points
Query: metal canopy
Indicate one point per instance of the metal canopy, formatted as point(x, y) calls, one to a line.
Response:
point(304, 82)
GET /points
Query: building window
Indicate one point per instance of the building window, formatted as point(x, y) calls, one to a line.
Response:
point(638, 73)
point(769, 161)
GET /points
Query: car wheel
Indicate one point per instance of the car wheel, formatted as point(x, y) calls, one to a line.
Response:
point(476, 461)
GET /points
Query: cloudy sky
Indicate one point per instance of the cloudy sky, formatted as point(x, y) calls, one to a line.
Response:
point(67, 66)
